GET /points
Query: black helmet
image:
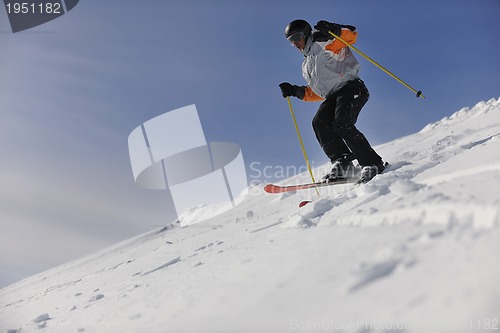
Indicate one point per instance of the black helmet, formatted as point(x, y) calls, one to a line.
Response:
point(298, 26)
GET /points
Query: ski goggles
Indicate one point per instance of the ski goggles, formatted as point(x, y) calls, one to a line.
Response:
point(295, 37)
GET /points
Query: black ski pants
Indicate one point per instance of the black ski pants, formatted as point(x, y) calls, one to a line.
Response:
point(334, 125)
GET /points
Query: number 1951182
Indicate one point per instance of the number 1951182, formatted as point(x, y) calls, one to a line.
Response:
point(31, 8)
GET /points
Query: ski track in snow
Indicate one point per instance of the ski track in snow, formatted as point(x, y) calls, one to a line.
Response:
point(417, 245)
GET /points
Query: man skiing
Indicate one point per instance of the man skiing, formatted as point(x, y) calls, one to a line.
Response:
point(331, 72)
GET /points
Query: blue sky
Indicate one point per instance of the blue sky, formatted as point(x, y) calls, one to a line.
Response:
point(72, 90)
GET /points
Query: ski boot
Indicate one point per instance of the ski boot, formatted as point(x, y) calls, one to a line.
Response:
point(370, 171)
point(341, 169)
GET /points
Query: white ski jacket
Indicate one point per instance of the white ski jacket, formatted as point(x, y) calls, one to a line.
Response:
point(328, 65)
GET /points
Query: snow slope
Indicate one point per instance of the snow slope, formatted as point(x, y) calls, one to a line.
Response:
point(414, 250)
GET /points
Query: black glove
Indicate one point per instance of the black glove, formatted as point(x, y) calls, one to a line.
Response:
point(288, 89)
point(324, 27)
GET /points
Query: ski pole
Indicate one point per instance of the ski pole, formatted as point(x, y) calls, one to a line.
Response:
point(301, 142)
point(419, 93)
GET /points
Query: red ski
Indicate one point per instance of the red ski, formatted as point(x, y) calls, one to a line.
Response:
point(274, 189)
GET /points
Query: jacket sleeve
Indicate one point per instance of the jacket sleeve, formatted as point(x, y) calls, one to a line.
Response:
point(348, 33)
point(310, 96)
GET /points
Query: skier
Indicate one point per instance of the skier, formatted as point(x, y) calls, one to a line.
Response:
point(331, 72)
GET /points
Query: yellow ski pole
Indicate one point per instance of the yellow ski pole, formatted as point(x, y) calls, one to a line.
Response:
point(419, 93)
point(301, 142)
